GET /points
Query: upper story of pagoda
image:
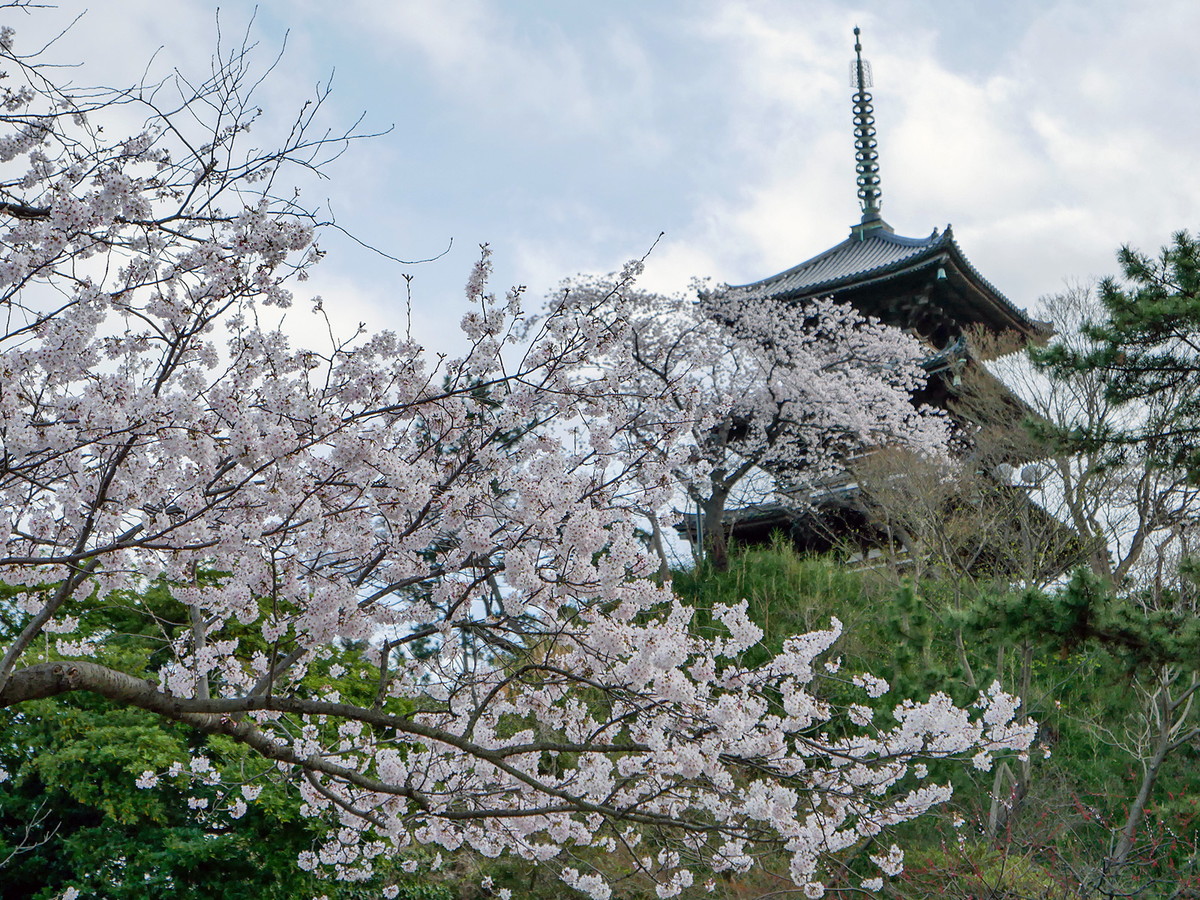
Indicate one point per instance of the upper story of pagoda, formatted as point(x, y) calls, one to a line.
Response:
point(925, 285)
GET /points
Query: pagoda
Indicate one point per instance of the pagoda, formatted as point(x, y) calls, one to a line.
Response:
point(923, 285)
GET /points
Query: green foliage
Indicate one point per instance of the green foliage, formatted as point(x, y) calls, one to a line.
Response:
point(921, 641)
point(1089, 610)
point(972, 869)
point(71, 814)
point(73, 765)
point(1145, 349)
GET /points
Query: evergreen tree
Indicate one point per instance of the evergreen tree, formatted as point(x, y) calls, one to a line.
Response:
point(1146, 346)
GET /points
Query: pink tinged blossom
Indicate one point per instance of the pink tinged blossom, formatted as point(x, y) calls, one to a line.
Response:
point(861, 715)
point(892, 863)
point(743, 633)
point(874, 686)
point(591, 885)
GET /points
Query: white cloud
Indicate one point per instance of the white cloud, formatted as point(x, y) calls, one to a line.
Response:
point(569, 135)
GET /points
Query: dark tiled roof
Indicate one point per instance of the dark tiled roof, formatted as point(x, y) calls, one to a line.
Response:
point(875, 255)
point(855, 259)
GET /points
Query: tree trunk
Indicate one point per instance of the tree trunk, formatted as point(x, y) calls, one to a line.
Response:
point(716, 541)
point(1138, 810)
point(656, 541)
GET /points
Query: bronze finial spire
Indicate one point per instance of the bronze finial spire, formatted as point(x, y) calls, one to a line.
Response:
point(866, 153)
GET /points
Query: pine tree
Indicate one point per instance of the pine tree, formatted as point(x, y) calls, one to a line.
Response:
point(1147, 346)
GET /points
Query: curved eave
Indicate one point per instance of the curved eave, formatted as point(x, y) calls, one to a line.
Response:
point(926, 253)
point(1021, 320)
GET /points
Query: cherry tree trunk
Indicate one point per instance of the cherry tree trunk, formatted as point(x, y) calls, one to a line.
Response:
point(715, 538)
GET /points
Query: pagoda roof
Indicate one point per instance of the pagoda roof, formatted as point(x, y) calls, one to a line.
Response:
point(874, 255)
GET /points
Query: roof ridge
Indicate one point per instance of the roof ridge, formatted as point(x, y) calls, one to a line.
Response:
point(864, 244)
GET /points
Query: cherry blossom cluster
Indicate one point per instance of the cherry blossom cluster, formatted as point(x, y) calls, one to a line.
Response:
point(155, 431)
point(753, 388)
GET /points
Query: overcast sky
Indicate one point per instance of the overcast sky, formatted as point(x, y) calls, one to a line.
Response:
point(568, 135)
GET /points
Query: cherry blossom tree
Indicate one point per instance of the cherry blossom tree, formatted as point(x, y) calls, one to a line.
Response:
point(158, 432)
point(768, 394)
